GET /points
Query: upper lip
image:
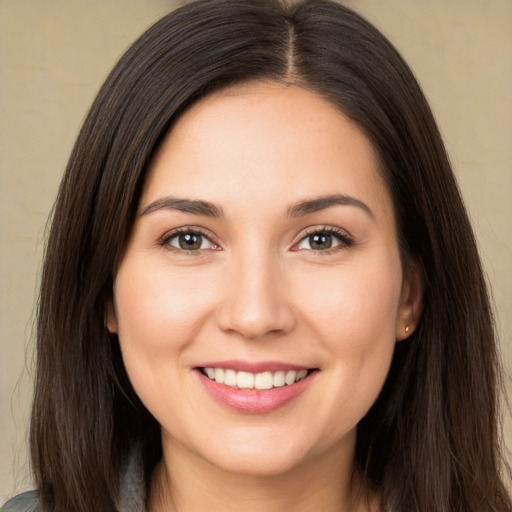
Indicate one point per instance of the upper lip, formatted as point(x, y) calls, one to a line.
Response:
point(253, 366)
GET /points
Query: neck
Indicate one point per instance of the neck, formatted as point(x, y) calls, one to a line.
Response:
point(184, 482)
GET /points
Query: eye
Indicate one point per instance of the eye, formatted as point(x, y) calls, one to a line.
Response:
point(324, 240)
point(188, 240)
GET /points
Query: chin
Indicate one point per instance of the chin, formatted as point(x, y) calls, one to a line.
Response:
point(262, 465)
point(265, 457)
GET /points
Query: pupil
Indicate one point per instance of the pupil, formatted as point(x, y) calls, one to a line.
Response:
point(190, 241)
point(320, 241)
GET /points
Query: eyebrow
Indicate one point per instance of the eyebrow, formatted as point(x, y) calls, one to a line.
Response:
point(195, 207)
point(321, 203)
point(299, 209)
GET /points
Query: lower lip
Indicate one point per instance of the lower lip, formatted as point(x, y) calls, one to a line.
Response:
point(252, 400)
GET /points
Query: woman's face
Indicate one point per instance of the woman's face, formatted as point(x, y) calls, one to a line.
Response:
point(261, 293)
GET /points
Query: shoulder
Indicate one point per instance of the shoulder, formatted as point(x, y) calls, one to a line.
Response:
point(24, 502)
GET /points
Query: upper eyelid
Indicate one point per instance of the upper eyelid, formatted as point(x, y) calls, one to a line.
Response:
point(324, 229)
point(187, 229)
point(334, 230)
point(345, 238)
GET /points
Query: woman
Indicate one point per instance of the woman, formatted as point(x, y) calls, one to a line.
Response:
point(261, 288)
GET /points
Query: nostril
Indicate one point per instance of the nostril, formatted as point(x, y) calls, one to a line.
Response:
point(255, 321)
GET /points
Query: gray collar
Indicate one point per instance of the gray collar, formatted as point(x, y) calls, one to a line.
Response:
point(132, 496)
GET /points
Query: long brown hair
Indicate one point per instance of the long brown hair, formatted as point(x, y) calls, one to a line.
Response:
point(431, 441)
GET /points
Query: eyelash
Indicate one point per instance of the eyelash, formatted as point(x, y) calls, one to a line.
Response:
point(166, 239)
point(345, 240)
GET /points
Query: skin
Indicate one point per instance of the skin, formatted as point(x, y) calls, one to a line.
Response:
point(257, 290)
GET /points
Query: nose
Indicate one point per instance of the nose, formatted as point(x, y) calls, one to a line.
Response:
point(256, 303)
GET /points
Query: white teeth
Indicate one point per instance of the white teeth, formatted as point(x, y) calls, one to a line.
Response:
point(300, 374)
point(245, 380)
point(259, 381)
point(264, 380)
point(219, 375)
point(290, 377)
point(279, 379)
point(230, 378)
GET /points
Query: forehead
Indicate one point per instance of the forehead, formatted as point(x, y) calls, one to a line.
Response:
point(265, 140)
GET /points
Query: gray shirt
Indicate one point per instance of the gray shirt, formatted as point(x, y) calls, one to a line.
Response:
point(132, 491)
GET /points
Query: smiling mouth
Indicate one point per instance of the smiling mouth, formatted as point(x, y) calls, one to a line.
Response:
point(258, 381)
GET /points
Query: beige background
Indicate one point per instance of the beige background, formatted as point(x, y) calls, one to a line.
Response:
point(55, 53)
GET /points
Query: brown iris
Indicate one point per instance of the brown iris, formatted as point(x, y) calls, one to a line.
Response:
point(320, 241)
point(190, 241)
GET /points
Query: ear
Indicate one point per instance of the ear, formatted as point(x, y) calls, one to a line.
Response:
point(111, 317)
point(411, 302)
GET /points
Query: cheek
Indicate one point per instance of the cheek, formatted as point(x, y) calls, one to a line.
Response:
point(353, 315)
point(156, 306)
point(356, 304)
point(158, 318)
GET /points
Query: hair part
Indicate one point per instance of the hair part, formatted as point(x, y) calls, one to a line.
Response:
point(431, 441)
